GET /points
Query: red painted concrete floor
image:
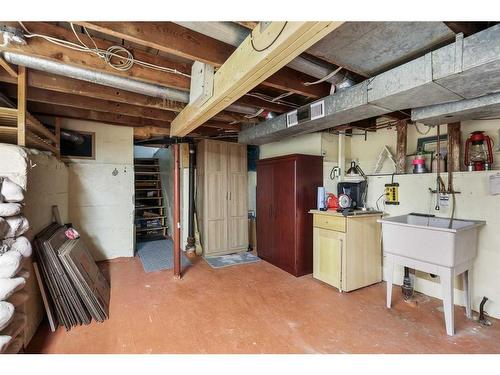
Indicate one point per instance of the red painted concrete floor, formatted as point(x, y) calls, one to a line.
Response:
point(258, 308)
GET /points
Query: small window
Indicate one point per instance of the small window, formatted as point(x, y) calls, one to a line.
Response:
point(77, 144)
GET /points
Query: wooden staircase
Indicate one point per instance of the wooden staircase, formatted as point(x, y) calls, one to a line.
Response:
point(150, 209)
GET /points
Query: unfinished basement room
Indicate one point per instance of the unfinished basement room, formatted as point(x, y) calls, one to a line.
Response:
point(249, 187)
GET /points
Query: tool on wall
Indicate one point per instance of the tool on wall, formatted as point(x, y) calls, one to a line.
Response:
point(478, 155)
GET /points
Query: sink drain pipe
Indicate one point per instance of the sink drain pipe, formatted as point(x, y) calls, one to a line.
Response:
point(407, 286)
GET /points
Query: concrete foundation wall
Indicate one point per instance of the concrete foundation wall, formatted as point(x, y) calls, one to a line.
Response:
point(101, 191)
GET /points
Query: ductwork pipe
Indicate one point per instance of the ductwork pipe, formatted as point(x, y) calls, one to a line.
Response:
point(111, 80)
point(92, 76)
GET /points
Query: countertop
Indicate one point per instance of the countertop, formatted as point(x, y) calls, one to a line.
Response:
point(338, 214)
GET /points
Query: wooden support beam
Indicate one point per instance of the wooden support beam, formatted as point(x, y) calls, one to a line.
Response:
point(454, 143)
point(57, 125)
point(10, 69)
point(401, 146)
point(21, 106)
point(177, 212)
point(42, 48)
point(259, 56)
point(180, 41)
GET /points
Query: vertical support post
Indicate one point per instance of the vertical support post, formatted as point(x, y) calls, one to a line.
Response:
point(190, 246)
point(402, 140)
point(58, 137)
point(21, 106)
point(177, 212)
point(453, 130)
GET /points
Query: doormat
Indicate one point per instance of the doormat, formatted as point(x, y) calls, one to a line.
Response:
point(159, 255)
point(231, 260)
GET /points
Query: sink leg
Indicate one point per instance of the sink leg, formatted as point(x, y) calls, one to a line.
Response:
point(467, 293)
point(447, 277)
point(389, 261)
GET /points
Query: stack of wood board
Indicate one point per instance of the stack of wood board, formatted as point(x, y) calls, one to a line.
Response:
point(73, 289)
point(92, 287)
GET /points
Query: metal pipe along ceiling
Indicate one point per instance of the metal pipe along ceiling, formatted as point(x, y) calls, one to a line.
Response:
point(106, 79)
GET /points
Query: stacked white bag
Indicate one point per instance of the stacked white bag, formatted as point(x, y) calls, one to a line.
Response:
point(14, 249)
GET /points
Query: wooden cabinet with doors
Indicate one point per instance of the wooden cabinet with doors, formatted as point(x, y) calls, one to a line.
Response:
point(221, 197)
point(347, 250)
point(286, 191)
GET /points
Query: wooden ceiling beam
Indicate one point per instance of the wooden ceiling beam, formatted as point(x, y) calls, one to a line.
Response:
point(59, 84)
point(248, 66)
point(42, 48)
point(180, 41)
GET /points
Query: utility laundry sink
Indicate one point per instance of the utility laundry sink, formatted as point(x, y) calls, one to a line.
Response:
point(429, 239)
point(430, 244)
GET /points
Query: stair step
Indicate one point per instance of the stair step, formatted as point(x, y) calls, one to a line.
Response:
point(149, 207)
point(147, 189)
point(150, 229)
point(143, 198)
point(151, 218)
point(148, 173)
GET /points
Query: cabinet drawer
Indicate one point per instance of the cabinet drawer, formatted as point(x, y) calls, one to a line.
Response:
point(330, 222)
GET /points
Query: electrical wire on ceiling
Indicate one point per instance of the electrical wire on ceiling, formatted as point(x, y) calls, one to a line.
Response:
point(421, 132)
point(328, 76)
point(252, 42)
point(277, 100)
point(256, 113)
point(124, 56)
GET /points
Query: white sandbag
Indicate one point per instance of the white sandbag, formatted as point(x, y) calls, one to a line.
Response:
point(9, 191)
point(9, 286)
point(22, 245)
point(6, 314)
point(18, 225)
point(4, 342)
point(10, 209)
point(10, 263)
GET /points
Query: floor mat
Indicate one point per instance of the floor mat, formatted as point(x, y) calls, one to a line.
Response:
point(159, 255)
point(231, 260)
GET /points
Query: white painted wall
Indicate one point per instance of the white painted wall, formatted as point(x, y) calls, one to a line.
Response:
point(101, 191)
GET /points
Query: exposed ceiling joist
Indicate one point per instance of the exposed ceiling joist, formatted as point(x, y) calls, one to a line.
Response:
point(59, 84)
point(106, 117)
point(180, 41)
point(257, 58)
point(75, 101)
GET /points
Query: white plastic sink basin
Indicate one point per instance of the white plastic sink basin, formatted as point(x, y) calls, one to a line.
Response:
point(430, 240)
